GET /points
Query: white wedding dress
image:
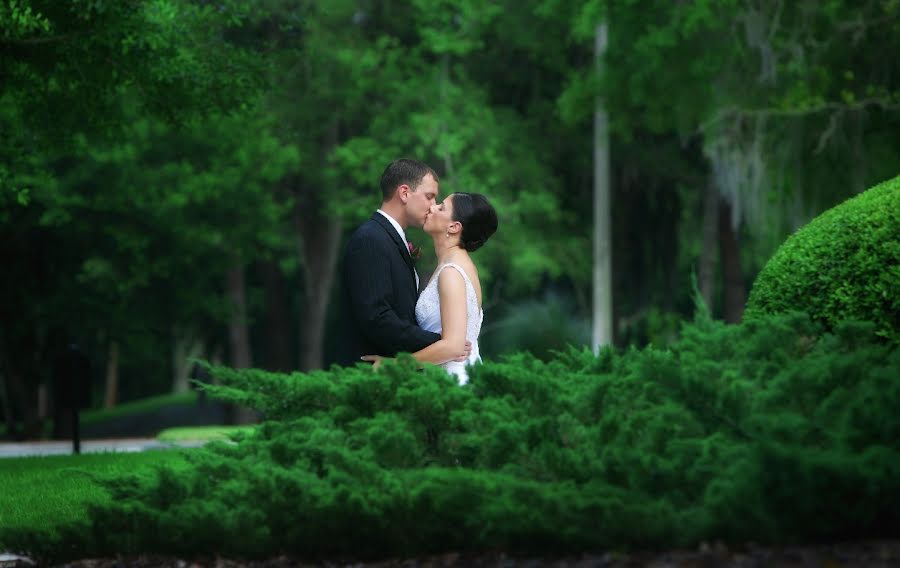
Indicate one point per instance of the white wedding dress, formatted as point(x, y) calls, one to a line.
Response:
point(428, 316)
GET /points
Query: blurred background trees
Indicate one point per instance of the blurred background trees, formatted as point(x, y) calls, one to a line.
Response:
point(177, 176)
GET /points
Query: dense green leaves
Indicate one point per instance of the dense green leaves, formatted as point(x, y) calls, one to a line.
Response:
point(767, 431)
point(844, 264)
point(66, 62)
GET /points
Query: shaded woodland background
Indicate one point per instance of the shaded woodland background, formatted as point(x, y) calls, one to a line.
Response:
point(177, 176)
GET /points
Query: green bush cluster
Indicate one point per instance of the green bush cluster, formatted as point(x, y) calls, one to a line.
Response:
point(844, 264)
point(769, 431)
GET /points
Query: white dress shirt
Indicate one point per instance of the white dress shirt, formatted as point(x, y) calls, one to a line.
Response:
point(402, 234)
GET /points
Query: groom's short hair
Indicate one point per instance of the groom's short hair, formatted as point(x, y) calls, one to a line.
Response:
point(404, 171)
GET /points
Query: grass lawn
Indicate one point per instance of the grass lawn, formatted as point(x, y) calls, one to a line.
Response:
point(201, 433)
point(45, 492)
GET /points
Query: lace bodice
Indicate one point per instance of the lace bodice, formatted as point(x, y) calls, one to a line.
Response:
point(428, 316)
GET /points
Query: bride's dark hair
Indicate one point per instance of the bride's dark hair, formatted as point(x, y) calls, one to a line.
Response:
point(478, 218)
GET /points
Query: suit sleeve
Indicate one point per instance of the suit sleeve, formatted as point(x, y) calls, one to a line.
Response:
point(368, 276)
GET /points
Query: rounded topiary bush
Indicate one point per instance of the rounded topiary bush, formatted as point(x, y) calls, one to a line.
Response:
point(845, 264)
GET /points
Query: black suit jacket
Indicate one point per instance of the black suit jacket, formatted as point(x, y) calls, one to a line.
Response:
point(378, 295)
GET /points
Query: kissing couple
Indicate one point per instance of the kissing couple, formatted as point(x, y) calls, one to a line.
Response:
point(383, 312)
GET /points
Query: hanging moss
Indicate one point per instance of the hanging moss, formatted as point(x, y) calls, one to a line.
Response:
point(844, 264)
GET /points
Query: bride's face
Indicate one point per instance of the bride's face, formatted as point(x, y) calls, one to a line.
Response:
point(440, 217)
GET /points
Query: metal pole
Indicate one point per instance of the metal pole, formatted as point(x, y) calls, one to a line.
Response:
point(603, 329)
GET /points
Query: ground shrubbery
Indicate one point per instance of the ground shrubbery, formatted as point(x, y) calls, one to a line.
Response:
point(768, 431)
point(844, 264)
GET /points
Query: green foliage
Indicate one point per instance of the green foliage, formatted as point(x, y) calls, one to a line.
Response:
point(653, 326)
point(790, 120)
point(126, 169)
point(18, 20)
point(540, 327)
point(771, 431)
point(454, 26)
point(75, 57)
point(450, 121)
point(844, 264)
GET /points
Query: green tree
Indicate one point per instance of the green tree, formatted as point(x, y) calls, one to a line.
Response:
point(760, 93)
point(73, 74)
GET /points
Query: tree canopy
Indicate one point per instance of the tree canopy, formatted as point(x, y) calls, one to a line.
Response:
point(177, 176)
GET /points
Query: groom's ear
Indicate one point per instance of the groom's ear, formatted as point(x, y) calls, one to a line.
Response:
point(403, 191)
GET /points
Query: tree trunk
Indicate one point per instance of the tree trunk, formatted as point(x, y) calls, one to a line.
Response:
point(319, 240)
point(18, 397)
point(729, 249)
point(238, 328)
point(6, 391)
point(111, 391)
point(7, 407)
point(26, 405)
point(22, 405)
point(318, 244)
point(186, 347)
point(603, 328)
point(858, 151)
point(707, 269)
point(278, 323)
point(239, 333)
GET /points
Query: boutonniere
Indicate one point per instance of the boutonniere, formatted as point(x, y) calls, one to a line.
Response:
point(414, 251)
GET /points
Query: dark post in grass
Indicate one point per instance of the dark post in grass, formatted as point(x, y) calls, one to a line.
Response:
point(71, 393)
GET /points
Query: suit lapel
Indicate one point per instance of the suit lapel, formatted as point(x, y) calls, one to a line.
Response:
point(395, 236)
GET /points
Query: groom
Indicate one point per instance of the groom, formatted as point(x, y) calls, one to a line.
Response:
point(379, 283)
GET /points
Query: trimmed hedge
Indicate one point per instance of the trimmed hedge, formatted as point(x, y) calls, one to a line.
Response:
point(770, 431)
point(845, 264)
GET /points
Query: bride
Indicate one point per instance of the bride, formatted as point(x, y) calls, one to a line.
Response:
point(451, 302)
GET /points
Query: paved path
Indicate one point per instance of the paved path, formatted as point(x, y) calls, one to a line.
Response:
point(10, 559)
point(64, 447)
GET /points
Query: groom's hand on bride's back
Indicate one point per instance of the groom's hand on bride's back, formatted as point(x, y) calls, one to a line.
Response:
point(374, 359)
point(465, 354)
point(377, 360)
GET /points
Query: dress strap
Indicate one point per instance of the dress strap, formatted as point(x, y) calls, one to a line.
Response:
point(458, 268)
point(471, 294)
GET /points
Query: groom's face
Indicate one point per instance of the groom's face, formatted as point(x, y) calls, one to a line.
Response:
point(420, 200)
